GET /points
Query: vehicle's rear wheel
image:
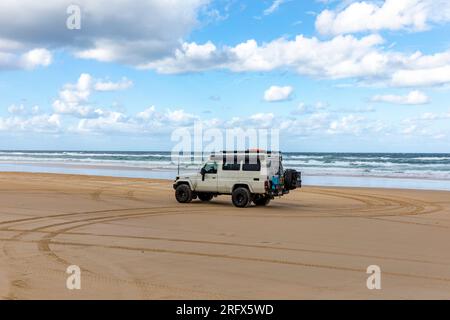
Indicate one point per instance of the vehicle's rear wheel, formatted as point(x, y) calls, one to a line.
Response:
point(241, 197)
point(205, 196)
point(183, 193)
point(262, 200)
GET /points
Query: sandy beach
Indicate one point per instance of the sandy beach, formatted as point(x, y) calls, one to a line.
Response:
point(132, 240)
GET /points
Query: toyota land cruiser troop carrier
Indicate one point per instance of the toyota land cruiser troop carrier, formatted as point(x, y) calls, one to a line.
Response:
point(248, 176)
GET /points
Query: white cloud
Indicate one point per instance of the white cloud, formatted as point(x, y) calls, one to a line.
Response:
point(39, 123)
point(73, 102)
point(180, 117)
point(153, 122)
point(341, 57)
point(16, 109)
point(372, 16)
point(273, 7)
point(74, 98)
point(157, 43)
point(277, 93)
point(347, 124)
point(356, 125)
point(409, 130)
point(35, 109)
point(31, 59)
point(189, 57)
point(428, 116)
point(412, 98)
point(153, 30)
point(314, 124)
point(36, 57)
point(262, 120)
point(21, 109)
point(147, 114)
point(108, 122)
point(426, 125)
point(422, 77)
point(113, 86)
point(147, 121)
point(304, 108)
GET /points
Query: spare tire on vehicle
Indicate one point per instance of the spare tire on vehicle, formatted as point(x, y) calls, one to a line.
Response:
point(290, 179)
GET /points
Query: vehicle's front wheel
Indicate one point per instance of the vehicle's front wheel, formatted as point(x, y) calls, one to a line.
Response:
point(183, 193)
point(262, 200)
point(205, 196)
point(241, 197)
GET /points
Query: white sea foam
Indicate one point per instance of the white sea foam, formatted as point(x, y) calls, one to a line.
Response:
point(421, 166)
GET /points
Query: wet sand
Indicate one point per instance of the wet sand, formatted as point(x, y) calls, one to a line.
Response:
point(132, 240)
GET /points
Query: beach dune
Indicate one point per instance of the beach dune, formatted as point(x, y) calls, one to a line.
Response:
point(132, 240)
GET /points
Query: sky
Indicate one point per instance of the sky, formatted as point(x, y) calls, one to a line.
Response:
point(330, 75)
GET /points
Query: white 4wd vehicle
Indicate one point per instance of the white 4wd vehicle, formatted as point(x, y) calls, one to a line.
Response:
point(248, 176)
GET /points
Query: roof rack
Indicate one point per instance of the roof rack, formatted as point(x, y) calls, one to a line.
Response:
point(245, 153)
point(248, 151)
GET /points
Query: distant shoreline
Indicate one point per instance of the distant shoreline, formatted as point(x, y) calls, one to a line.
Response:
point(310, 179)
point(429, 171)
point(137, 168)
point(284, 152)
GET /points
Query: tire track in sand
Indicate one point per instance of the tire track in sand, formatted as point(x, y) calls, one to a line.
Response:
point(43, 244)
point(48, 239)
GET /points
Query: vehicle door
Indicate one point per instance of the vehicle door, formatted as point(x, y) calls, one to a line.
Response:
point(208, 177)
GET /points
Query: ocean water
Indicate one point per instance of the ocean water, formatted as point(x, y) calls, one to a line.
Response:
point(402, 170)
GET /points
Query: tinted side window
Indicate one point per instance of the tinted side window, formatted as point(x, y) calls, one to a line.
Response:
point(251, 165)
point(231, 166)
point(234, 165)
